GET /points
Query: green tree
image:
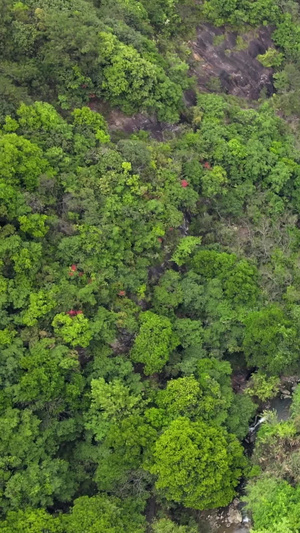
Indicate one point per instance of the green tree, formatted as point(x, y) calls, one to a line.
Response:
point(104, 515)
point(22, 162)
point(50, 376)
point(154, 343)
point(33, 224)
point(116, 422)
point(73, 330)
point(273, 502)
point(30, 474)
point(270, 340)
point(214, 182)
point(164, 525)
point(240, 413)
point(167, 293)
point(206, 396)
point(197, 465)
point(190, 332)
point(271, 58)
point(263, 386)
point(31, 521)
point(185, 248)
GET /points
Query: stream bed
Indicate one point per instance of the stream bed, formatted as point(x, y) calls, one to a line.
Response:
point(229, 520)
point(232, 529)
point(217, 522)
point(282, 407)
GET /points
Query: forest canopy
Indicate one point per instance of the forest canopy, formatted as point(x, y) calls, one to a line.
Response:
point(142, 272)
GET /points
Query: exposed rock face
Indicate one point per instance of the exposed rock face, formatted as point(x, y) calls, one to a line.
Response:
point(140, 121)
point(218, 54)
point(119, 121)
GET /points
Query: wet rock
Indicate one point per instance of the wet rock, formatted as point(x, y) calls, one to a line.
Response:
point(282, 407)
point(286, 393)
point(234, 516)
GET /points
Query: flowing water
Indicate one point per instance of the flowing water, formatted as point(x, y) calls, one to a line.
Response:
point(219, 524)
point(217, 521)
point(233, 529)
point(282, 407)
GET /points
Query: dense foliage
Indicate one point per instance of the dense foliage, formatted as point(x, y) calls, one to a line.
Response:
point(139, 276)
point(84, 221)
point(273, 494)
point(70, 53)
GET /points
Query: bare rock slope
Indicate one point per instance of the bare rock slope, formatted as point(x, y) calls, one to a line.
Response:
point(223, 56)
point(220, 59)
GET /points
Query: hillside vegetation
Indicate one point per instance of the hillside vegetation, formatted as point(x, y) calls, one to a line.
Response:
point(139, 276)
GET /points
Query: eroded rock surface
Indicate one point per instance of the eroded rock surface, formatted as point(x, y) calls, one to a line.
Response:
point(140, 121)
point(223, 56)
point(218, 57)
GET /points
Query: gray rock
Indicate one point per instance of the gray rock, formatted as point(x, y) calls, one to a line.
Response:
point(234, 516)
point(237, 68)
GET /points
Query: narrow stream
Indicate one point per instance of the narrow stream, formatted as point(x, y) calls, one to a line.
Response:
point(217, 521)
point(233, 529)
point(282, 407)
